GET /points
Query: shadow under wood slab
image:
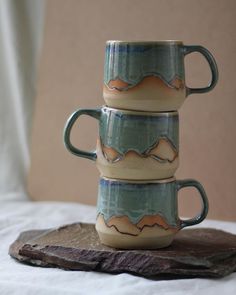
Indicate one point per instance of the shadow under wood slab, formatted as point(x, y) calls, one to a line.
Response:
point(201, 252)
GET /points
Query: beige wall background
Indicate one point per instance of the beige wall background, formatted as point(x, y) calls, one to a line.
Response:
point(71, 76)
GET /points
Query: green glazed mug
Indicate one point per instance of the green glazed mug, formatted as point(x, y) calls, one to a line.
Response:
point(150, 75)
point(143, 214)
point(131, 145)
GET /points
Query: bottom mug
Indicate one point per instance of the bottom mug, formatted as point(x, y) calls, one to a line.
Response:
point(142, 214)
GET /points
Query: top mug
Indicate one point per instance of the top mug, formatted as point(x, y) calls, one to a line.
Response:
point(149, 75)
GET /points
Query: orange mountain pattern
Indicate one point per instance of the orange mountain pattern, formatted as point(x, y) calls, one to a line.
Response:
point(123, 225)
point(163, 151)
point(152, 80)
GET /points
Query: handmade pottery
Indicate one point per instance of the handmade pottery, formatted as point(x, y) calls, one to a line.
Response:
point(131, 145)
point(142, 214)
point(149, 76)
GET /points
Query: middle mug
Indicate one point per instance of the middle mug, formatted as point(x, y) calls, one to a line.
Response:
point(131, 144)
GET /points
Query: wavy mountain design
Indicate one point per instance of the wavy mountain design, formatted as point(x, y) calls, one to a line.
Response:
point(149, 80)
point(163, 151)
point(123, 225)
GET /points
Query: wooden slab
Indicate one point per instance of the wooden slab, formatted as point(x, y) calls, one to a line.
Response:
point(194, 253)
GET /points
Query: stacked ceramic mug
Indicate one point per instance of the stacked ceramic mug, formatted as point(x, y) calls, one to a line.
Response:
point(137, 150)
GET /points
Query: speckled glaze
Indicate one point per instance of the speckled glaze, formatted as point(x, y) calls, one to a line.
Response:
point(132, 145)
point(142, 214)
point(150, 76)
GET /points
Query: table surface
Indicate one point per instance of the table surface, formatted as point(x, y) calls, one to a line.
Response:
point(17, 278)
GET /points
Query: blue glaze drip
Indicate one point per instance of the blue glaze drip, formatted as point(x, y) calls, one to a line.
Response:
point(125, 132)
point(137, 200)
point(132, 62)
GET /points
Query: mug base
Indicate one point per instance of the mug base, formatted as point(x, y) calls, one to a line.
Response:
point(145, 105)
point(123, 237)
point(131, 174)
point(135, 242)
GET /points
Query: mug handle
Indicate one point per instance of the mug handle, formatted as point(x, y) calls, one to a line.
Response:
point(212, 63)
point(202, 215)
point(95, 113)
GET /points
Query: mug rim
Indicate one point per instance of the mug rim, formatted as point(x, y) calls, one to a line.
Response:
point(145, 42)
point(147, 181)
point(141, 113)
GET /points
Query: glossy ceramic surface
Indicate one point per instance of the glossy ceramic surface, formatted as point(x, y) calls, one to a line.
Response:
point(150, 76)
point(139, 214)
point(132, 145)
